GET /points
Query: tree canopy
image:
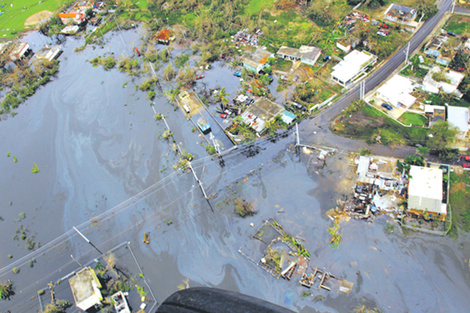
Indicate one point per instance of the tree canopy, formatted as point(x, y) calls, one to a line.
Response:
point(441, 137)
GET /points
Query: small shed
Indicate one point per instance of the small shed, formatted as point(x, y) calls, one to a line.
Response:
point(86, 289)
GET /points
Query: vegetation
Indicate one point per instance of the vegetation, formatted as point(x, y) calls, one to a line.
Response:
point(441, 139)
point(22, 81)
point(210, 149)
point(35, 169)
point(58, 306)
point(459, 198)
point(405, 166)
point(335, 236)
point(372, 125)
point(413, 119)
point(6, 290)
point(107, 63)
point(14, 17)
point(244, 208)
point(148, 85)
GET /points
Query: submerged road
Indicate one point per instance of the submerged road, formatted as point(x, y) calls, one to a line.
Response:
point(316, 130)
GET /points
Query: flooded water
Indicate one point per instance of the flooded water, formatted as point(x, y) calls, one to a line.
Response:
point(105, 169)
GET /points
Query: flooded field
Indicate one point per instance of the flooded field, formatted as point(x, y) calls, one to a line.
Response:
point(105, 169)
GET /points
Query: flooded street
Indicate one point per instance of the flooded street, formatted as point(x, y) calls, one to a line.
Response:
point(105, 169)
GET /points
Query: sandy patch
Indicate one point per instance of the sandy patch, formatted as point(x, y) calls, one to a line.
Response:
point(36, 18)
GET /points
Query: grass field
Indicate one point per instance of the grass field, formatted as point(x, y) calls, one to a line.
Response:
point(459, 199)
point(257, 6)
point(413, 119)
point(13, 17)
point(458, 24)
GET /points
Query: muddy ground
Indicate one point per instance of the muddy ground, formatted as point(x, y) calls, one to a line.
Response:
point(105, 169)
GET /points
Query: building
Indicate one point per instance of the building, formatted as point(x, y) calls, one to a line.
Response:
point(433, 48)
point(165, 36)
point(262, 111)
point(352, 67)
point(84, 5)
point(72, 17)
point(459, 118)
point(346, 44)
point(397, 92)
point(401, 14)
point(86, 289)
point(305, 54)
point(258, 61)
point(425, 192)
point(18, 50)
point(70, 30)
point(435, 113)
point(48, 53)
point(450, 86)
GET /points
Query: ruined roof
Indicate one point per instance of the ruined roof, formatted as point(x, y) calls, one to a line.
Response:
point(165, 35)
point(85, 290)
point(261, 111)
point(260, 56)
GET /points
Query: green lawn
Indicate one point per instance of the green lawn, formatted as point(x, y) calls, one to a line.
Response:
point(282, 65)
point(458, 24)
point(256, 6)
point(459, 199)
point(13, 18)
point(413, 119)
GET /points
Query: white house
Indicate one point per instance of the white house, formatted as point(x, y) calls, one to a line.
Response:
point(354, 65)
point(425, 191)
point(48, 53)
point(397, 92)
point(305, 54)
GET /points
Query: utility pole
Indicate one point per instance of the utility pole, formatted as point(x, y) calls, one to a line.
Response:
point(75, 260)
point(362, 90)
point(87, 240)
point(407, 53)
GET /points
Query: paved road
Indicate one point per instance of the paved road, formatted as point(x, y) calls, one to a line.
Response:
point(316, 130)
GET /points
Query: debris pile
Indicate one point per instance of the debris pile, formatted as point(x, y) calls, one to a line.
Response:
point(244, 38)
point(285, 256)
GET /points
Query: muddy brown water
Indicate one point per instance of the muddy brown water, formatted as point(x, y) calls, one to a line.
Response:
point(104, 169)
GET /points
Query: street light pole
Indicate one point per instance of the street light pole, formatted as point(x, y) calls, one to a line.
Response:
point(86, 239)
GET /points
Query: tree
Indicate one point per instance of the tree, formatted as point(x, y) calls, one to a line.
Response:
point(6, 290)
point(441, 137)
point(423, 151)
point(428, 9)
point(220, 96)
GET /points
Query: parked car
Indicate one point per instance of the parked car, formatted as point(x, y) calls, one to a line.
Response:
point(467, 158)
point(387, 106)
point(326, 58)
point(238, 74)
point(383, 32)
point(451, 34)
point(203, 125)
point(466, 165)
point(284, 78)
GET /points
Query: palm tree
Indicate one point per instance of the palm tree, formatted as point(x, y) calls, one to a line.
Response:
point(220, 97)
